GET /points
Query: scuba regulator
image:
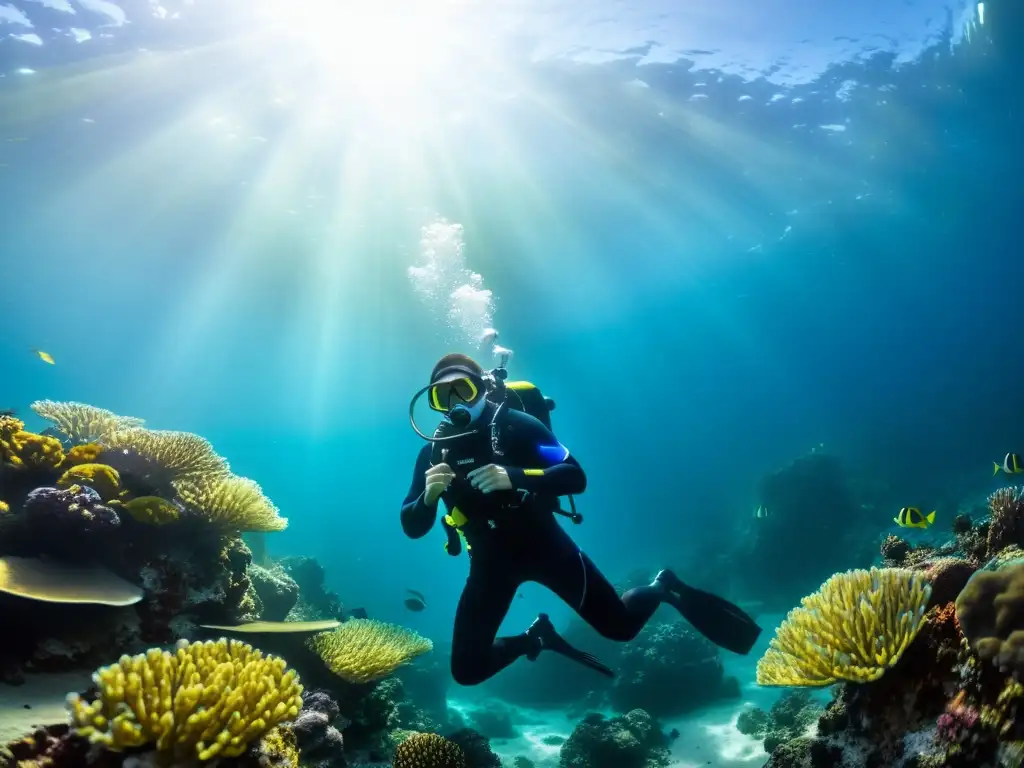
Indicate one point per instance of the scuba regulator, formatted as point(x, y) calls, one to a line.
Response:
point(496, 389)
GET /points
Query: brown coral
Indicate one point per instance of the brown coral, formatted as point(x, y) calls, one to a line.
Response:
point(991, 612)
point(1006, 527)
point(948, 576)
point(895, 550)
point(428, 750)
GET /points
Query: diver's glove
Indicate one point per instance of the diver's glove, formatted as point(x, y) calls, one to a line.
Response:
point(438, 478)
point(490, 478)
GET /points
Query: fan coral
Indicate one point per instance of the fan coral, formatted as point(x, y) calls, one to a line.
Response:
point(101, 478)
point(991, 613)
point(363, 650)
point(854, 628)
point(209, 698)
point(1006, 527)
point(175, 455)
point(83, 423)
point(231, 502)
point(152, 510)
point(428, 750)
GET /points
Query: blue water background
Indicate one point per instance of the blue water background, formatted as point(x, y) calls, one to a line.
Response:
point(708, 285)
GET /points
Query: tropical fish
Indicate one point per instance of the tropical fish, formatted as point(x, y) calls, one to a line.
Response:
point(1011, 465)
point(761, 512)
point(912, 517)
point(416, 602)
point(46, 357)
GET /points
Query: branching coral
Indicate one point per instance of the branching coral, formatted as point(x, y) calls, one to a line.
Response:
point(991, 612)
point(363, 650)
point(175, 454)
point(206, 699)
point(1006, 527)
point(854, 628)
point(83, 423)
point(231, 502)
point(101, 478)
point(428, 750)
point(86, 453)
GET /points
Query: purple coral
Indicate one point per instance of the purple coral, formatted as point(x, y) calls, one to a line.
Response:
point(68, 513)
point(957, 723)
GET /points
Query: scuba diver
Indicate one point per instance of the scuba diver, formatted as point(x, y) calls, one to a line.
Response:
point(500, 471)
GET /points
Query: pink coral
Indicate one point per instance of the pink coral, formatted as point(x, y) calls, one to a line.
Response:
point(956, 725)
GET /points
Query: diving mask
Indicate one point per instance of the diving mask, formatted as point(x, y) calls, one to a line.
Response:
point(446, 395)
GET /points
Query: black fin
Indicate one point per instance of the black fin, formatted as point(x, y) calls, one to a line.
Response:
point(544, 631)
point(723, 623)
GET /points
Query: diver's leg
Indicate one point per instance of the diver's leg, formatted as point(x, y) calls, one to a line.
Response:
point(477, 654)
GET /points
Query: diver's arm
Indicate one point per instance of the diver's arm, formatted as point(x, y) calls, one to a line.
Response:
point(417, 516)
point(549, 468)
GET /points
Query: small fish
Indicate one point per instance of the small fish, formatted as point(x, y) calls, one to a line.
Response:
point(46, 357)
point(416, 602)
point(912, 517)
point(761, 512)
point(673, 734)
point(1011, 465)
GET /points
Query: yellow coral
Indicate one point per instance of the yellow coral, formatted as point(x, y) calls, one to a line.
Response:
point(180, 454)
point(27, 450)
point(854, 627)
point(231, 502)
point(363, 650)
point(208, 699)
point(428, 750)
point(4, 507)
point(87, 453)
point(278, 748)
point(152, 510)
point(101, 478)
point(83, 423)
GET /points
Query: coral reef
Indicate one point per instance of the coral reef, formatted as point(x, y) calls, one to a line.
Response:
point(364, 650)
point(205, 699)
point(494, 719)
point(428, 750)
point(990, 610)
point(789, 718)
point(276, 590)
point(319, 741)
point(630, 741)
point(476, 748)
point(315, 600)
point(854, 628)
point(667, 670)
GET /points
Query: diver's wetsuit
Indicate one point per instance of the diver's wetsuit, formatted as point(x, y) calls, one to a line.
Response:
point(514, 540)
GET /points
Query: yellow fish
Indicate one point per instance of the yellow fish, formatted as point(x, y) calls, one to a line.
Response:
point(1011, 465)
point(46, 357)
point(911, 517)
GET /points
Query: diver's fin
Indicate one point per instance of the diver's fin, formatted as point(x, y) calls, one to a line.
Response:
point(995, 470)
point(931, 517)
point(720, 621)
point(543, 633)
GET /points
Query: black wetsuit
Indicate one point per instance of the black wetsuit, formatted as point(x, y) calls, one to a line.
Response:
point(514, 537)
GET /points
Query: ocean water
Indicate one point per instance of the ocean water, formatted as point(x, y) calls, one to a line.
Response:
point(718, 234)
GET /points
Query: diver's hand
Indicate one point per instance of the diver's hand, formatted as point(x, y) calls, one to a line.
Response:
point(438, 478)
point(490, 478)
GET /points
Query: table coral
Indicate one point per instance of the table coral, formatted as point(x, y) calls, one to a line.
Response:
point(83, 423)
point(854, 628)
point(205, 699)
point(364, 650)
